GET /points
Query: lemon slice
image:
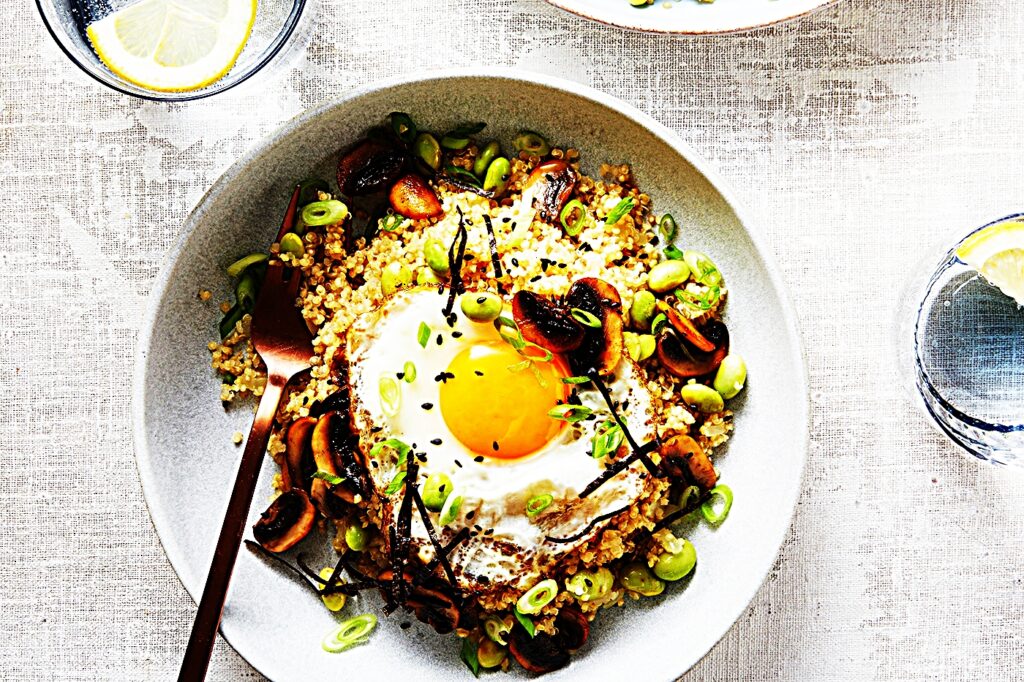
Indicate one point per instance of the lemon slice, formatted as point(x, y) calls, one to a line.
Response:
point(997, 252)
point(173, 45)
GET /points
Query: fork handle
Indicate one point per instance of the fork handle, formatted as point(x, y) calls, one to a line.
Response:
point(204, 630)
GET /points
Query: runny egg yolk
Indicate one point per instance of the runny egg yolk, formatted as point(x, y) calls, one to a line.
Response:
point(499, 412)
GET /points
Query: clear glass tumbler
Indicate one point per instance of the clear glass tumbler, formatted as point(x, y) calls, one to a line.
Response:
point(961, 351)
point(281, 26)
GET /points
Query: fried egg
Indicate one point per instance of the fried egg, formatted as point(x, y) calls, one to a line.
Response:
point(478, 411)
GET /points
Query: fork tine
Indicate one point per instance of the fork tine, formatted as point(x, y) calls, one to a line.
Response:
point(275, 274)
point(295, 282)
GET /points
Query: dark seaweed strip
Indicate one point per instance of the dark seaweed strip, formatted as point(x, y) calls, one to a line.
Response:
point(257, 548)
point(438, 549)
point(616, 468)
point(493, 243)
point(456, 256)
point(332, 586)
point(401, 537)
point(459, 538)
point(639, 451)
point(590, 527)
point(679, 513)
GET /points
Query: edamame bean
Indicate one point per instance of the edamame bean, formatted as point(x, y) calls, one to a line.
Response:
point(395, 276)
point(703, 268)
point(497, 176)
point(483, 160)
point(667, 275)
point(426, 276)
point(647, 346)
point(436, 256)
point(636, 577)
point(642, 309)
point(451, 508)
point(428, 150)
point(704, 398)
point(481, 306)
point(436, 490)
point(356, 537)
point(676, 565)
point(336, 601)
point(490, 654)
point(291, 244)
point(731, 376)
point(631, 341)
point(590, 585)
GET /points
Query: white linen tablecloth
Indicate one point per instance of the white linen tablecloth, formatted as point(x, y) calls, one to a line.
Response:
point(857, 136)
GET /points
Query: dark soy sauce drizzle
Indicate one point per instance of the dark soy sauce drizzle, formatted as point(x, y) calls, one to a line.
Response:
point(493, 243)
point(589, 527)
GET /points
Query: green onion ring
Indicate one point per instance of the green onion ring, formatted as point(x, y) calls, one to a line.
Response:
point(576, 226)
point(621, 209)
point(390, 395)
point(527, 345)
point(349, 633)
point(659, 321)
point(672, 252)
point(537, 597)
point(585, 318)
point(608, 437)
point(423, 334)
point(327, 212)
point(707, 508)
point(570, 413)
point(575, 380)
point(538, 503)
point(398, 446)
point(240, 265)
point(409, 372)
point(496, 629)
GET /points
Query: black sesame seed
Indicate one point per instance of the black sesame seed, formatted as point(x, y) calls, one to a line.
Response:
point(481, 299)
point(456, 335)
point(494, 445)
point(435, 441)
point(477, 528)
point(405, 625)
point(458, 464)
point(427, 406)
point(563, 265)
point(506, 219)
point(489, 531)
point(515, 262)
point(478, 372)
point(400, 375)
point(470, 515)
point(483, 580)
point(535, 279)
point(440, 339)
point(478, 458)
point(586, 247)
point(376, 429)
point(374, 463)
point(468, 257)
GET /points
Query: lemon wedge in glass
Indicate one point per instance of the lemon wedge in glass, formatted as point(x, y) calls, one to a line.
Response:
point(997, 252)
point(173, 45)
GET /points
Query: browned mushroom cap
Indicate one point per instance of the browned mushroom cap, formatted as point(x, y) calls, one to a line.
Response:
point(685, 327)
point(286, 522)
point(541, 653)
point(685, 360)
point(602, 347)
point(552, 183)
point(542, 322)
point(369, 166)
point(573, 628)
point(298, 461)
point(683, 459)
point(336, 452)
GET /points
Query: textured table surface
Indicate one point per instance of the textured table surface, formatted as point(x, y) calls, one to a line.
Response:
point(858, 136)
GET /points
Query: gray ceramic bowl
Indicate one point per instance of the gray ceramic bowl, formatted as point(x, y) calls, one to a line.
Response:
point(183, 434)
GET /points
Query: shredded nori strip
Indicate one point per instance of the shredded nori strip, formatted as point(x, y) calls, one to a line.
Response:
point(493, 243)
point(456, 256)
point(438, 549)
point(258, 548)
point(637, 450)
point(401, 535)
point(617, 467)
point(332, 586)
point(590, 526)
point(459, 538)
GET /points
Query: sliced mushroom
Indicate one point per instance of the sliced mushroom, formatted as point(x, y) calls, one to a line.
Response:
point(336, 452)
point(298, 459)
point(573, 628)
point(684, 359)
point(683, 459)
point(286, 522)
point(541, 653)
point(542, 322)
point(601, 349)
point(685, 327)
point(369, 166)
point(550, 185)
point(430, 602)
point(413, 198)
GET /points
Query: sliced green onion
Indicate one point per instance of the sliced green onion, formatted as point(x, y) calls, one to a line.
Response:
point(673, 253)
point(537, 597)
point(408, 372)
point(702, 302)
point(532, 143)
point(525, 621)
point(585, 318)
point(398, 446)
point(573, 227)
point(350, 633)
point(608, 437)
point(328, 476)
point(450, 510)
point(324, 213)
point(659, 321)
point(621, 209)
point(520, 366)
point(468, 129)
point(247, 289)
point(402, 126)
point(469, 656)
point(538, 503)
point(423, 334)
point(395, 484)
point(546, 356)
point(391, 222)
point(496, 629)
point(575, 380)
point(390, 395)
point(310, 188)
point(691, 493)
point(570, 413)
point(501, 323)
point(707, 508)
point(461, 174)
point(667, 228)
point(239, 266)
point(454, 143)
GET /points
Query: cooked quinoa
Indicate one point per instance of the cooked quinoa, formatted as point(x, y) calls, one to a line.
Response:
point(342, 281)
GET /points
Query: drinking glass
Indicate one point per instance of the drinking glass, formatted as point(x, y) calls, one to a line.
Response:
point(961, 351)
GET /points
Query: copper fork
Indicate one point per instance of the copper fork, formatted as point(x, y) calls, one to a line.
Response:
point(285, 345)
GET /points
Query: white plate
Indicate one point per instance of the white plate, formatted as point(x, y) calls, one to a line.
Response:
point(691, 16)
point(183, 434)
